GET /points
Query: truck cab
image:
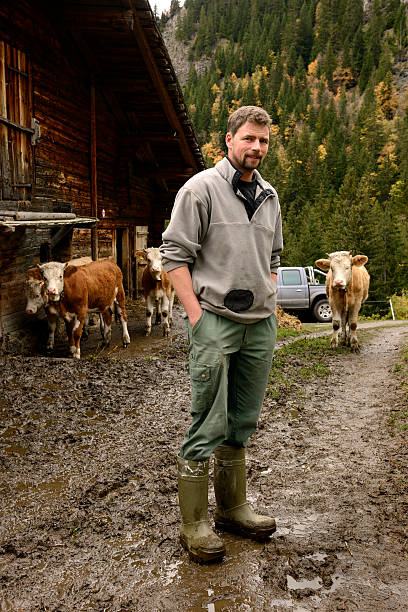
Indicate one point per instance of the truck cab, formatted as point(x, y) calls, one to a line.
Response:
point(303, 289)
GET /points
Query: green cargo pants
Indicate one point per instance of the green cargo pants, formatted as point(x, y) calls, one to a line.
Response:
point(229, 365)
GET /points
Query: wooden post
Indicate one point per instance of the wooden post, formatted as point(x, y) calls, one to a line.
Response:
point(94, 176)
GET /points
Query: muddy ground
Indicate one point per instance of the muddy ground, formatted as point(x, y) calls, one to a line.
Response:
point(88, 497)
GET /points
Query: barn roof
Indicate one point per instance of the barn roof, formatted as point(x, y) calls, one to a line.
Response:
point(126, 53)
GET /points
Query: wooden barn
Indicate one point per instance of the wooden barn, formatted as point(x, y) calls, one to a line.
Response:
point(95, 139)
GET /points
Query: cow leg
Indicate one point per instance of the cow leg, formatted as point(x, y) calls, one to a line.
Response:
point(336, 327)
point(158, 311)
point(85, 333)
point(69, 326)
point(52, 326)
point(343, 337)
point(106, 316)
point(120, 315)
point(353, 316)
point(149, 312)
point(165, 311)
point(171, 302)
point(77, 333)
point(102, 327)
point(120, 311)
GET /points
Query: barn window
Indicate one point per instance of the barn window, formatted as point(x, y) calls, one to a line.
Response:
point(18, 129)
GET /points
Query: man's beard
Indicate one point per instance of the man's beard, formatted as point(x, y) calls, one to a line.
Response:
point(250, 164)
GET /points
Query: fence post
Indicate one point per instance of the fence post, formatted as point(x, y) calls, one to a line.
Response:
point(392, 311)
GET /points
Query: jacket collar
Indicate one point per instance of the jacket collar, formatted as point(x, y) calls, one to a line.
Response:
point(231, 174)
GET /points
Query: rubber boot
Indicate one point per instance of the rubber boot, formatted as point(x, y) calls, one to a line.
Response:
point(196, 535)
point(233, 512)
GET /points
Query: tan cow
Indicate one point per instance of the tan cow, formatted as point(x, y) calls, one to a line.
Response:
point(95, 287)
point(158, 291)
point(347, 284)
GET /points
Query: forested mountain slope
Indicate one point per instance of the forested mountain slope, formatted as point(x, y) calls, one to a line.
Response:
point(333, 75)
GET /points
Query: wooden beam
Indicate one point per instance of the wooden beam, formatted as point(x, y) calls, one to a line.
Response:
point(94, 175)
point(158, 81)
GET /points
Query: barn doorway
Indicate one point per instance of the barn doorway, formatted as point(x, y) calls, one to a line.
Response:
point(123, 255)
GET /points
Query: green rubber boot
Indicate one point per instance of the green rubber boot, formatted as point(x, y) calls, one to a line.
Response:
point(233, 512)
point(196, 535)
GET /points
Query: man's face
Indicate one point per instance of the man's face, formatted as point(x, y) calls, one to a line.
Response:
point(248, 147)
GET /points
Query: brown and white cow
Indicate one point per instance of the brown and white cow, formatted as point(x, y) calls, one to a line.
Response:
point(95, 287)
point(347, 284)
point(158, 291)
point(37, 298)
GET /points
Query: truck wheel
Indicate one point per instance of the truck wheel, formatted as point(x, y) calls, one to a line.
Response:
point(322, 311)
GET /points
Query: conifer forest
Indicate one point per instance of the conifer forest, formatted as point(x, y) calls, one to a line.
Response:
point(333, 75)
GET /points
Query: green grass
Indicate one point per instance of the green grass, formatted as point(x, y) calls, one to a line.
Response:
point(307, 328)
point(398, 420)
point(298, 363)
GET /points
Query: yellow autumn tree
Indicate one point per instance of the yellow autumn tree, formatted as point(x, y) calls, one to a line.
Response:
point(212, 151)
point(386, 97)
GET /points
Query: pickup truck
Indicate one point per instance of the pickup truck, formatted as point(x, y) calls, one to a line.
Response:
point(299, 291)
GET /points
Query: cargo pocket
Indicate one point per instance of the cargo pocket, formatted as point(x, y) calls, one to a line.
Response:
point(202, 383)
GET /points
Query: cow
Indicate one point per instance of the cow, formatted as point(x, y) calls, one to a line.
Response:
point(94, 287)
point(158, 290)
point(37, 298)
point(347, 284)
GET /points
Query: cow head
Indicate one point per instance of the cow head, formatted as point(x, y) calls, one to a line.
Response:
point(340, 263)
point(53, 277)
point(35, 295)
point(154, 262)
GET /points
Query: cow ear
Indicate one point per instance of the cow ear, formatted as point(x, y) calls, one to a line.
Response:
point(323, 264)
point(359, 260)
point(66, 264)
point(34, 274)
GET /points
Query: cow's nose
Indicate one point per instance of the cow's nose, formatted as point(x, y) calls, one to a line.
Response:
point(52, 291)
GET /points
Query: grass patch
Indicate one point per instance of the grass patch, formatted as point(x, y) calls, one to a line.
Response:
point(399, 417)
point(307, 328)
point(298, 363)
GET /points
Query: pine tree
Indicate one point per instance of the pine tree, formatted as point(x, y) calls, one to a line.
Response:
point(339, 157)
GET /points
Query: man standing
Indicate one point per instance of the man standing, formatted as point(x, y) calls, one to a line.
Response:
point(221, 250)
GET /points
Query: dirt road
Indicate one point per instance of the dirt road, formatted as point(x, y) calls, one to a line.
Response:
point(88, 498)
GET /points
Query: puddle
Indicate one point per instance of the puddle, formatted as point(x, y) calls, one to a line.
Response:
point(15, 449)
point(170, 572)
point(53, 486)
point(9, 432)
point(297, 585)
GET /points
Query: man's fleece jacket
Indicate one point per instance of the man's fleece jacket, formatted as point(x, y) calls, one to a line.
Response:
point(229, 256)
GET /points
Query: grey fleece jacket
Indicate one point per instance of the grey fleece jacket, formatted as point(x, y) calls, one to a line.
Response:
point(230, 257)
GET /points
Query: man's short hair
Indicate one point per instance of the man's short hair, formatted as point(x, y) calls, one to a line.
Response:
point(254, 114)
